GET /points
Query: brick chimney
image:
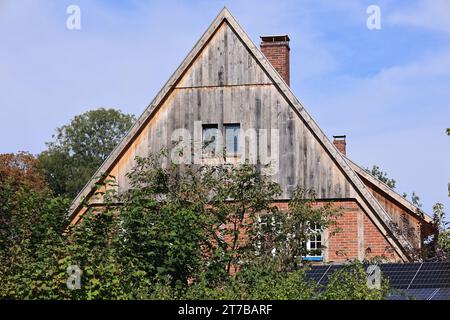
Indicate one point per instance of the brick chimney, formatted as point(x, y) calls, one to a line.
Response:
point(276, 49)
point(340, 144)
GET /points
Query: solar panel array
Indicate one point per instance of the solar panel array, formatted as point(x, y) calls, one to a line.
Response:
point(419, 281)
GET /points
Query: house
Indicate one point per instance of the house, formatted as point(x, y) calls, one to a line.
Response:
point(228, 87)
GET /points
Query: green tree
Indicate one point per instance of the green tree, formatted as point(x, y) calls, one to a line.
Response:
point(415, 199)
point(391, 183)
point(163, 222)
point(227, 211)
point(91, 247)
point(80, 147)
point(282, 236)
point(30, 264)
point(382, 176)
point(448, 133)
point(241, 196)
point(266, 281)
point(176, 233)
point(171, 212)
point(256, 282)
point(350, 283)
point(32, 222)
point(441, 241)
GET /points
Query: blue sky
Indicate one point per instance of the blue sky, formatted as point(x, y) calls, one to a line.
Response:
point(388, 89)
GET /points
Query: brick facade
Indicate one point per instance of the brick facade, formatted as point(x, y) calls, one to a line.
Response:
point(358, 238)
point(375, 244)
point(344, 244)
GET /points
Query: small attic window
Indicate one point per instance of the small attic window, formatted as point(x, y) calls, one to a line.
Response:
point(220, 143)
point(209, 140)
point(232, 139)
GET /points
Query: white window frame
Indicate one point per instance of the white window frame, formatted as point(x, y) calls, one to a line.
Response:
point(232, 154)
point(316, 231)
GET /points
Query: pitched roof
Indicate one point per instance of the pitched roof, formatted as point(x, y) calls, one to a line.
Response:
point(366, 200)
point(390, 192)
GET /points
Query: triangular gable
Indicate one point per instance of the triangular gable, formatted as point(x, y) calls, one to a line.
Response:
point(181, 79)
point(385, 189)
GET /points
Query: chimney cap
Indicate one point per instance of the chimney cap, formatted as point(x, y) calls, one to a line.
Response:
point(275, 38)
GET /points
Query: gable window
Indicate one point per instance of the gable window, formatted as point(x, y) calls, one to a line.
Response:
point(209, 140)
point(314, 244)
point(214, 141)
point(232, 139)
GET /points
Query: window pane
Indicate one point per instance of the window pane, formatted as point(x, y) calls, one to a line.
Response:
point(232, 139)
point(209, 143)
point(314, 245)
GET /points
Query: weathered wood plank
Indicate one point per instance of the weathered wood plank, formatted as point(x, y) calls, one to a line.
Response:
point(225, 61)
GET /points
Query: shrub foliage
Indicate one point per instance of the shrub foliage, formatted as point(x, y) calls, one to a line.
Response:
point(178, 232)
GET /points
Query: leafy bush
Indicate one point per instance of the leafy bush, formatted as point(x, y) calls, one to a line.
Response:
point(177, 233)
point(350, 283)
point(265, 282)
point(31, 244)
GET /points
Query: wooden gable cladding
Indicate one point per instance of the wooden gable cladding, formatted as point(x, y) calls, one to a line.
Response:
point(302, 159)
point(414, 223)
point(225, 61)
point(409, 224)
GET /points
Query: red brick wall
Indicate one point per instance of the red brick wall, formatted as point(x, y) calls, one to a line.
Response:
point(344, 244)
point(375, 244)
point(278, 55)
point(347, 243)
point(341, 145)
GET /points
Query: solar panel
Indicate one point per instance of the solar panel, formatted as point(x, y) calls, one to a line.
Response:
point(417, 281)
point(329, 273)
point(396, 294)
point(399, 275)
point(441, 294)
point(433, 275)
point(317, 273)
point(421, 294)
point(395, 297)
point(413, 294)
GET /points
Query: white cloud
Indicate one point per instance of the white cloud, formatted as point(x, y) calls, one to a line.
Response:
point(396, 119)
point(429, 14)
